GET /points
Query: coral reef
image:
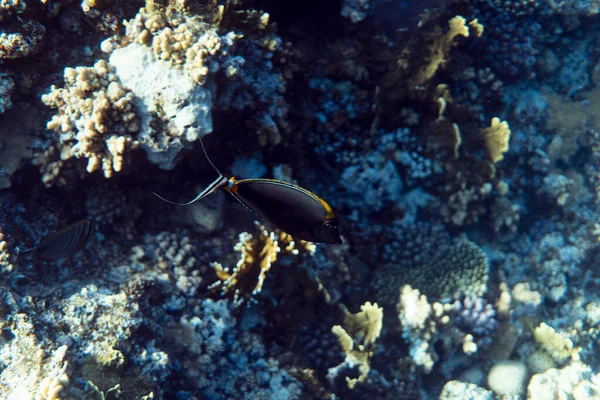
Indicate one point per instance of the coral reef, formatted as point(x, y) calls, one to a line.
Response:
point(458, 141)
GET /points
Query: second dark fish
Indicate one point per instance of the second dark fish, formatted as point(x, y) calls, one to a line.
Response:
point(64, 242)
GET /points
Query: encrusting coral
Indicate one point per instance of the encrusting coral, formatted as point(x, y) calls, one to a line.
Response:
point(257, 255)
point(27, 374)
point(357, 338)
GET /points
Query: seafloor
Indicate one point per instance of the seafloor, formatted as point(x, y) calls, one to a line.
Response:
point(458, 141)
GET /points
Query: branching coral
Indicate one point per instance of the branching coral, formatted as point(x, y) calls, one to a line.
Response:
point(419, 62)
point(183, 39)
point(224, 360)
point(425, 324)
point(559, 347)
point(175, 109)
point(357, 338)
point(257, 255)
point(110, 207)
point(95, 119)
point(175, 259)
point(5, 256)
point(23, 41)
point(576, 381)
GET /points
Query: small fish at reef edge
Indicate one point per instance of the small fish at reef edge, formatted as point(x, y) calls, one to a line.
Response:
point(64, 242)
point(290, 208)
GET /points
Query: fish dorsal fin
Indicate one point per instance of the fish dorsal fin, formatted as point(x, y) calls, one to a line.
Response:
point(208, 158)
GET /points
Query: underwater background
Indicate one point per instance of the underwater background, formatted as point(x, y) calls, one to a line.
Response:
point(457, 140)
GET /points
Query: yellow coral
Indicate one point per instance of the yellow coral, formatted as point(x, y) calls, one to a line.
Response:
point(556, 344)
point(476, 27)
point(257, 255)
point(495, 139)
point(440, 49)
point(357, 339)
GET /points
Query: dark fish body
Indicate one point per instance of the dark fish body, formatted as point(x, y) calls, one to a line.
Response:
point(66, 241)
point(290, 208)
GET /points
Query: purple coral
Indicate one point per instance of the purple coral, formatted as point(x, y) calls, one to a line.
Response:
point(510, 44)
point(319, 346)
point(476, 316)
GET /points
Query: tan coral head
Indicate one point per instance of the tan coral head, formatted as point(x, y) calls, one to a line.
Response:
point(290, 208)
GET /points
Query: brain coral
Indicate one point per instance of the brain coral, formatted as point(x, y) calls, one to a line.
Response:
point(461, 270)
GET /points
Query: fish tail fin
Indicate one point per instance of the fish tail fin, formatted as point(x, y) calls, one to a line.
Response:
point(208, 158)
point(218, 183)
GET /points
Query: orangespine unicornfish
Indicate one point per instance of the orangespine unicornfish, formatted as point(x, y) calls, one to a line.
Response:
point(64, 242)
point(289, 208)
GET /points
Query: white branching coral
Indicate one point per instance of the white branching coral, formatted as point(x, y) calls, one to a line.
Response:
point(95, 118)
point(418, 327)
point(424, 323)
point(556, 344)
point(165, 59)
point(5, 264)
point(183, 40)
point(176, 109)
